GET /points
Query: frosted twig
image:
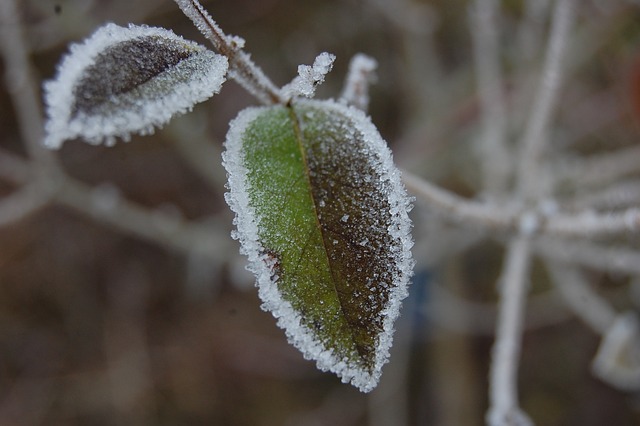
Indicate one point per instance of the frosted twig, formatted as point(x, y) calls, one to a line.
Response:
point(589, 224)
point(19, 82)
point(451, 205)
point(356, 86)
point(493, 216)
point(309, 77)
point(599, 169)
point(494, 153)
point(535, 136)
point(513, 285)
point(619, 195)
point(241, 67)
point(618, 359)
point(22, 202)
point(164, 229)
point(590, 254)
point(577, 294)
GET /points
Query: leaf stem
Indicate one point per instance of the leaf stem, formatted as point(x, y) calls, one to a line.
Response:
point(241, 67)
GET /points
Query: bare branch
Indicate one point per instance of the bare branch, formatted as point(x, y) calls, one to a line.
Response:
point(578, 295)
point(503, 389)
point(19, 82)
point(356, 86)
point(535, 136)
point(495, 157)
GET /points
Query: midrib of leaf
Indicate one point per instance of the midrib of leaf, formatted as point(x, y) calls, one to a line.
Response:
point(325, 251)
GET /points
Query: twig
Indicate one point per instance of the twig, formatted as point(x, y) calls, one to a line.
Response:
point(492, 216)
point(23, 202)
point(577, 294)
point(356, 85)
point(241, 67)
point(503, 390)
point(495, 158)
point(590, 254)
point(451, 205)
point(164, 229)
point(19, 83)
point(598, 169)
point(535, 136)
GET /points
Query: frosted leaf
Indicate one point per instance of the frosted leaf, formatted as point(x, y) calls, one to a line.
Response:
point(309, 77)
point(128, 80)
point(330, 248)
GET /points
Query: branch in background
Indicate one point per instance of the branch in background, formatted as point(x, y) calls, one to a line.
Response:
point(536, 134)
point(578, 295)
point(620, 195)
point(503, 388)
point(495, 158)
point(590, 254)
point(598, 169)
point(19, 81)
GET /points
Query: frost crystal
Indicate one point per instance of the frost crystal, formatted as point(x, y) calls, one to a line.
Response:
point(128, 80)
point(309, 77)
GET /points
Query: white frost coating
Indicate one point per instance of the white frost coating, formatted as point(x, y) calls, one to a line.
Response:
point(356, 86)
point(309, 77)
point(247, 233)
point(149, 112)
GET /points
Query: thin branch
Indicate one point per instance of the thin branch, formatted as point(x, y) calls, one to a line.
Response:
point(19, 78)
point(449, 204)
point(590, 254)
point(578, 295)
point(356, 86)
point(166, 230)
point(600, 168)
point(23, 202)
point(536, 133)
point(495, 158)
point(241, 67)
point(503, 389)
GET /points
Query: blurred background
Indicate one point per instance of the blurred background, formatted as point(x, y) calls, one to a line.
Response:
point(124, 301)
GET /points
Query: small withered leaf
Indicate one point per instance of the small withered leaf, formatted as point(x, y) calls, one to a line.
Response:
point(322, 215)
point(128, 80)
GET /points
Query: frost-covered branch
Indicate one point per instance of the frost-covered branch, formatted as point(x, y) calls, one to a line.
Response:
point(590, 254)
point(503, 387)
point(577, 294)
point(536, 134)
point(241, 67)
point(356, 86)
point(19, 81)
point(494, 152)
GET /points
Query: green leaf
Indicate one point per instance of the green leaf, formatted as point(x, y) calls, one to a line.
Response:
point(322, 215)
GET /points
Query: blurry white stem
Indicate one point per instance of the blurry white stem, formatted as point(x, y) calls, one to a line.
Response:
point(513, 286)
point(494, 152)
point(578, 295)
point(356, 86)
point(20, 83)
point(241, 67)
point(536, 133)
